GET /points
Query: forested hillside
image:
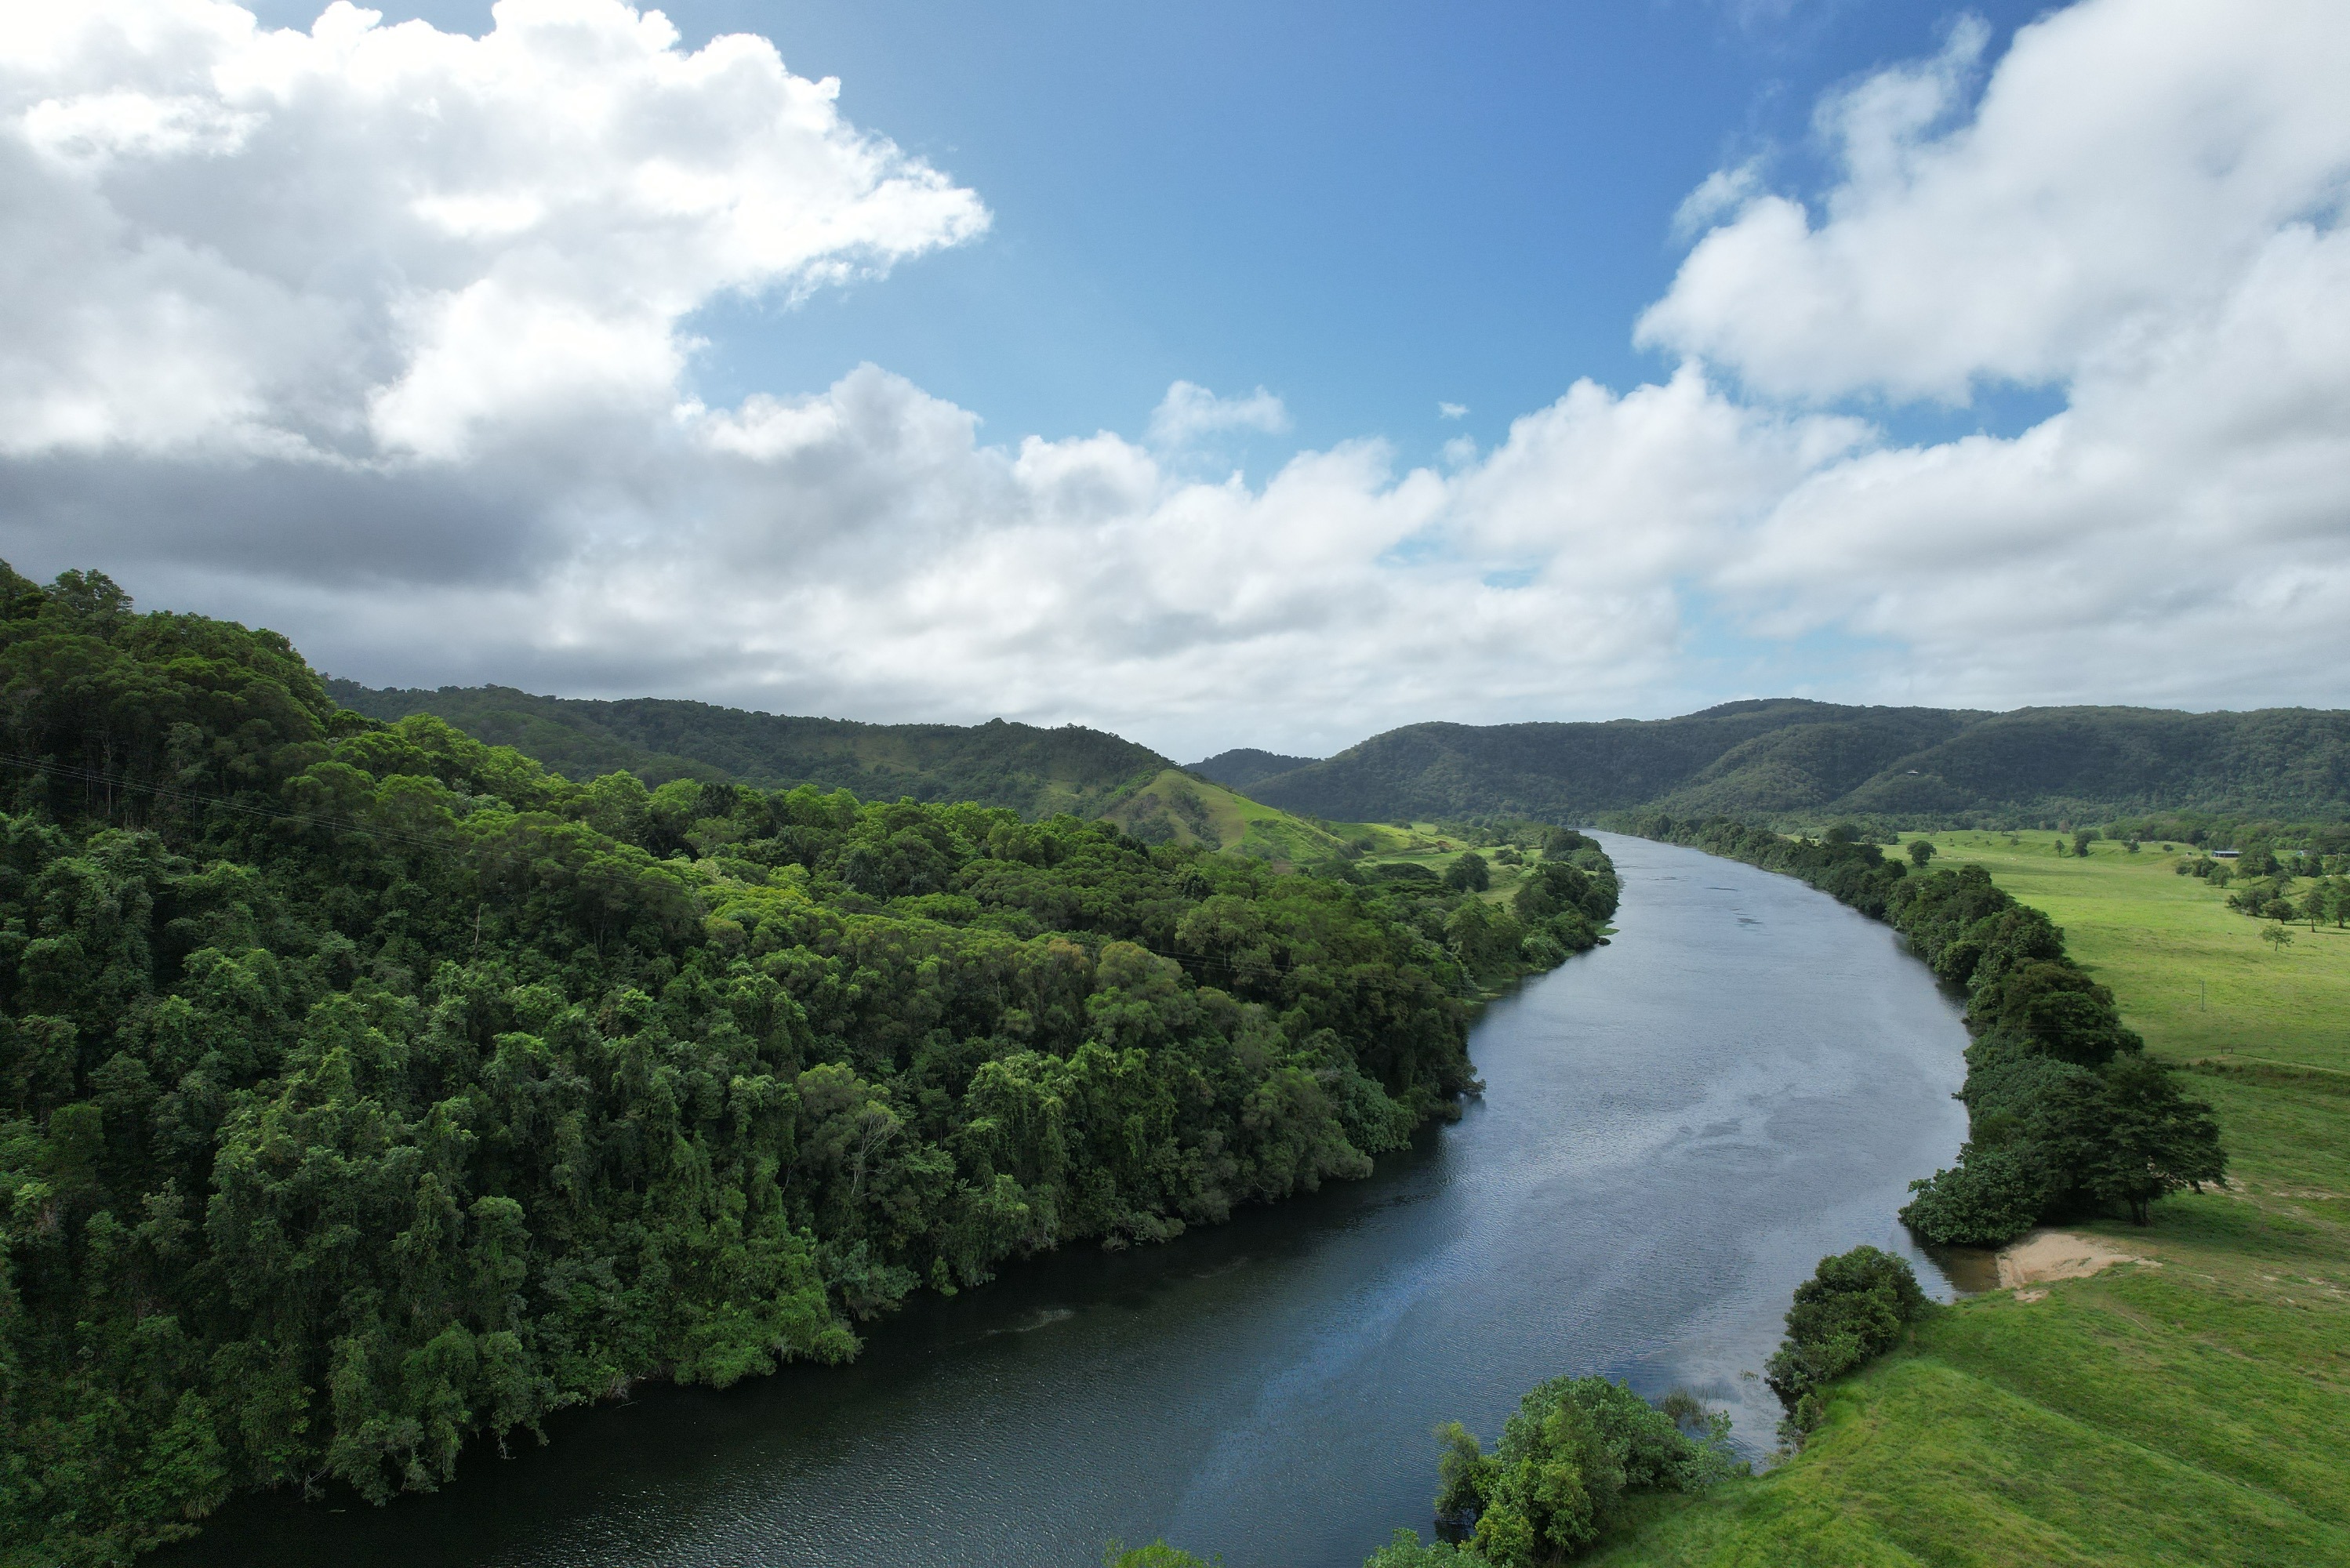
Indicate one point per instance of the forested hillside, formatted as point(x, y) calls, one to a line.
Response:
point(1787, 761)
point(367, 1091)
point(1241, 767)
point(1797, 761)
point(1034, 772)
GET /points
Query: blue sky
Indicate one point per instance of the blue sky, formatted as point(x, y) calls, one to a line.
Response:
point(1368, 209)
point(1086, 363)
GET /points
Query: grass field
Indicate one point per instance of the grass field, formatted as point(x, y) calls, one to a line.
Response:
point(1426, 843)
point(2192, 975)
point(2194, 1410)
point(1188, 809)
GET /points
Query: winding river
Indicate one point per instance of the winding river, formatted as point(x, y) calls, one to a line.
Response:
point(1674, 1130)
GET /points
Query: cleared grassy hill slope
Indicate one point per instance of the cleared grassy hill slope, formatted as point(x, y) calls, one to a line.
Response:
point(1035, 771)
point(2191, 1410)
point(1181, 807)
point(1788, 760)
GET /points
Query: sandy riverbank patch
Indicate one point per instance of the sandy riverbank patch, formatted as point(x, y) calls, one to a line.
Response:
point(2046, 1255)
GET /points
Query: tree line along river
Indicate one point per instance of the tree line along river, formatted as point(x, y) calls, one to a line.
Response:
point(1675, 1129)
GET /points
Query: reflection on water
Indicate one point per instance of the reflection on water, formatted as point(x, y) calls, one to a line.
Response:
point(1675, 1129)
point(1971, 1270)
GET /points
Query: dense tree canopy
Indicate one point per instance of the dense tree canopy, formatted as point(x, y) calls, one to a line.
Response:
point(365, 1090)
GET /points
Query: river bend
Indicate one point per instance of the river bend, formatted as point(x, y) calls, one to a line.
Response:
point(1675, 1129)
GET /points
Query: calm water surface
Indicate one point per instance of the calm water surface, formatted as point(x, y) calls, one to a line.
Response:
point(1674, 1130)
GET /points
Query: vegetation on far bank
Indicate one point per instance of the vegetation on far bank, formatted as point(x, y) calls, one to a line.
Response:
point(367, 1091)
point(2191, 1410)
point(2067, 1116)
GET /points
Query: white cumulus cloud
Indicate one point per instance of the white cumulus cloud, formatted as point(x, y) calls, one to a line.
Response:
point(375, 335)
point(2126, 163)
point(363, 243)
point(1190, 411)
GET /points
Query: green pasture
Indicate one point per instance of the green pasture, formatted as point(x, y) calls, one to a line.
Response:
point(2192, 1410)
point(1427, 844)
point(2193, 975)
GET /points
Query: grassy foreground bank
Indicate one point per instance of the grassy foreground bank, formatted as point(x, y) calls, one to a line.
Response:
point(2194, 1410)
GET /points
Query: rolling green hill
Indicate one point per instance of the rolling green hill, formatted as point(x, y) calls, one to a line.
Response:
point(1181, 807)
point(1790, 759)
point(1785, 760)
point(1034, 772)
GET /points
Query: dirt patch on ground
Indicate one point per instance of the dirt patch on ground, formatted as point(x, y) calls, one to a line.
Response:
point(2046, 1255)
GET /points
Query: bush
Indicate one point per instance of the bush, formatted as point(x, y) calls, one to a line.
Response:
point(1158, 1554)
point(1847, 1314)
point(1405, 1551)
point(1982, 1202)
point(1469, 874)
point(1575, 1451)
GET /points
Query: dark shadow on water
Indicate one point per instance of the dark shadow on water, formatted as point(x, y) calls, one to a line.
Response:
point(1971, 1271)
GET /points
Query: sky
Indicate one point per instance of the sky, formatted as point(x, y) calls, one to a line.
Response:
point(1218, 374)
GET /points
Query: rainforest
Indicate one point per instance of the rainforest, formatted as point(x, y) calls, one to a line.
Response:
point(370, 1092)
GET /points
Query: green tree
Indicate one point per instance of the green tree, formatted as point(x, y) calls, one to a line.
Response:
point(1921, 850)
point(2082, 839)
point(1406, 1549)
point(2127, 1136)
point(2277, 937)
point(1158, 1554)
point(1568, 1460)
point(1851, 1311)
point(1990, 1196)
point(1469, 874)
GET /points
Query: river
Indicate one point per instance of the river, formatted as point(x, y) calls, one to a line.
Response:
point(1674, 1130)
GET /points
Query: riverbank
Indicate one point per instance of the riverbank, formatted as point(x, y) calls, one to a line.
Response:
point(2193, 1412)
point(1675, 1129)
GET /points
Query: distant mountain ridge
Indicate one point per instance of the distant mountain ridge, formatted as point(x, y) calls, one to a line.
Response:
point(1034, 770)
point(1777, 758)
point(1788, 757)
point(1242, 766)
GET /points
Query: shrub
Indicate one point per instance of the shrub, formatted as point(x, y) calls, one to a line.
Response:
point(1851, 1311)
point(1469, 874)
point(1575, 1451)
point(1983, 1200)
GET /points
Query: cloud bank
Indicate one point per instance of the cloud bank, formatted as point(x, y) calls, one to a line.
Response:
point(376, 335)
